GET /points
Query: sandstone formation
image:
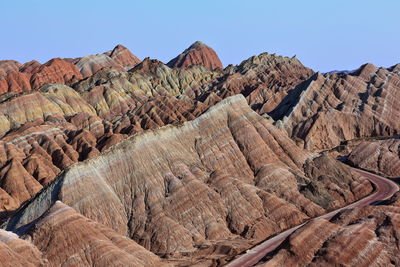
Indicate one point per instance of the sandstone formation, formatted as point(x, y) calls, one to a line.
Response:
point(63, 237)
point(264, 80)
point(89, 65)
point(214, 180)
point(185, 191)
point(93, 244)
point(15, 251)
point(11, 80)
point(381, 157)
point(123, 57)
point(73, 124)
point(365, 236)
point(330, 108)
point(54, 71)
point(66, 127)
point(17, 78)
point(197, 54)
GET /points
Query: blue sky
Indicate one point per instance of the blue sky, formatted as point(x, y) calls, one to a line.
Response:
point(325, 35)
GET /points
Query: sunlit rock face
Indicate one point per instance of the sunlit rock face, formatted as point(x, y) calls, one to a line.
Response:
point(197, 54)
point(11, 80)
point(16, 77)
point(66, 238)
point(123, 57)
point(379, 156)
point(264, 80)
point(330, 108)
point(63, 237)
point(15, 251)
point(363, 236)
point(45, 131)
point(229, 174)
point(174, 159)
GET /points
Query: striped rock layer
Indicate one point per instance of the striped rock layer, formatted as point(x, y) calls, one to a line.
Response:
point(63, 237)
point(382, 157)
point(358, 237)
point(330, 108)
point(227, 179)
point(44, 131)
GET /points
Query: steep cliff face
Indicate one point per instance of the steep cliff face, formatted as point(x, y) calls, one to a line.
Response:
point(381, 157)
point(180, 190)
point(328, 109)
point(358, 237)
point(197, 54)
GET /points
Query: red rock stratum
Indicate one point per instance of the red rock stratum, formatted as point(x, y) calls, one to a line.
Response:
point(245, 177)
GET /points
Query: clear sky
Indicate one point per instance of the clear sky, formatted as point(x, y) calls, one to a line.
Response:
point(325, 35)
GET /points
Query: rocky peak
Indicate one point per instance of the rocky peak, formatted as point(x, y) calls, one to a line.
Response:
point(197, 54)
point(148, 65)
point(123, 56)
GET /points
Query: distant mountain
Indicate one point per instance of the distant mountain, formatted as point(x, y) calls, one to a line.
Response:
point(339, 71)
point(197, 54)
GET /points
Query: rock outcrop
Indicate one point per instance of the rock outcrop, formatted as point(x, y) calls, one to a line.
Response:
point(123, 57)
point(63, 237)
point(264, 80)
point(381, 157)
point(175, 159)
point(246, 179)
point(17, 78)
point(328, 109)
point(54, 71)
point(89, 65)
point(357, 237)
point(11, 80)
point(66, 238)
point(197, 54)
point(15, 251)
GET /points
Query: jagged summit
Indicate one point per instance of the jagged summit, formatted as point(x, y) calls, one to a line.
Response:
point(197, 54)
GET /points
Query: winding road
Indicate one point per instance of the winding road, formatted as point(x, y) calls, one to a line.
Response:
point(385, 188)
